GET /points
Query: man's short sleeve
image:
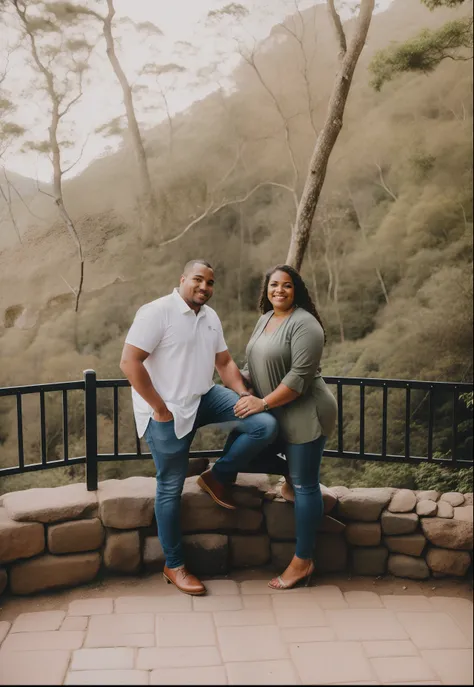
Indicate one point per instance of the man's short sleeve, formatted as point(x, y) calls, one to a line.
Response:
point(221, 344)
point(148, 328)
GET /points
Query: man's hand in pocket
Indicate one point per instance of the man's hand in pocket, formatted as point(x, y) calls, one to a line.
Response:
point(163, 415)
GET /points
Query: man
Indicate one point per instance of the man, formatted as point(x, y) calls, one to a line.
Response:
point(169, 357)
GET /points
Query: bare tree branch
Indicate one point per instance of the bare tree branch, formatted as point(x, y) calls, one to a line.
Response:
point(78, 159)
point(337, 23)
point(22, 200)
point(210, 211)
point(8, 201)
point(384, 185)
point(364, 236)
point(251, 62)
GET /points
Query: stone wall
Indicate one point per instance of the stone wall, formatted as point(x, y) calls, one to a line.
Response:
point(66, 536)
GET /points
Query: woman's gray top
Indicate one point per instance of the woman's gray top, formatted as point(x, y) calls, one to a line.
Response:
point(291, 355)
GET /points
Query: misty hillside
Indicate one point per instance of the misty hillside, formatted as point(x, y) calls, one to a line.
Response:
point(413, 137)
point(389, 264)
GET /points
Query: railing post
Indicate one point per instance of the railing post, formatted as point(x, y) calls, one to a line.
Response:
point(90, 422)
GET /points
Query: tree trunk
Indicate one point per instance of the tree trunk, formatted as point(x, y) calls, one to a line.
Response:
point(148, 198)
point(313, 277)
point(55, 148)
point(327, 138)
point(58, 191)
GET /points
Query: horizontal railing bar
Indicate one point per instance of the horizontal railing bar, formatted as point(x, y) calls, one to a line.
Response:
point(330, 453)
point(107, 383)
point(134, 456)
point(348, 381)
point(36, 388)
point(33, 467)
point(399, 383)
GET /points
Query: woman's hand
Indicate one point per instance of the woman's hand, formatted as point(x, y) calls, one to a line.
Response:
point(248, 405)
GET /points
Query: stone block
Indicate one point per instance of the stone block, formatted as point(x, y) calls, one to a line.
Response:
point(49, 572)
point(430, 495)
point(329, 498)
point(3, 580)
point(249, 551)
point(412, 567)
point(280, 520)
point(447, 561)
point(127, 503)
point(369, 561)
point(463, 513)
point(363, 533)
point(51, 504)
point(247, 497)
point(330, 553)
point(260, 480)
point(207, 554)
point(403, 501)
point(409, 544)
point(363, 504)
point(399, 523)
point(445, 510)
point(468, 499)
point(153, 554)
point(340, 491)
point(122, 551)
point(331, 525)
point(19, 539)
point(196, 466)
point(281, 553)
point(448, 534)
point(427, 508)
point(76, 536)
point(455, 498)
point(199, 513)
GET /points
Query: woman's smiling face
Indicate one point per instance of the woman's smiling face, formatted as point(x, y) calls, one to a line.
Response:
point(281, 291)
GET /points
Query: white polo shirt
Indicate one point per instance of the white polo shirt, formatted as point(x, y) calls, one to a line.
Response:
point(182, 348)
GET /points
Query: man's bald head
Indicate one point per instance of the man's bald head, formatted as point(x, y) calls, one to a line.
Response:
point(189, 265)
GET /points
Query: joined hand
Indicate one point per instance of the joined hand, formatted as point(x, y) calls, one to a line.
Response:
point(248, 405)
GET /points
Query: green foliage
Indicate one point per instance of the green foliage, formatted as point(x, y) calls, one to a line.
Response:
point(434, 4)
point(430, 476)
point(422, 163)
point(425, 476)
point(233, 9)
point(422, 53)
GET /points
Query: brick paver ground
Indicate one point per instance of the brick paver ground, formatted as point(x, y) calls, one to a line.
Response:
point(144, 632)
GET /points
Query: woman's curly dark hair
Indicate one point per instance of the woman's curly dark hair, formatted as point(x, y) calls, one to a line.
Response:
point(302, 297)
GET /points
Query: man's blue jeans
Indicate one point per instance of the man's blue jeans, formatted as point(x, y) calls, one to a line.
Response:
point(171, 456)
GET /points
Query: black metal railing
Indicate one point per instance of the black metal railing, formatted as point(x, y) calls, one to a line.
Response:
point(450, 393)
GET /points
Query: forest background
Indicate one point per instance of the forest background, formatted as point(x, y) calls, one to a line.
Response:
point(389, 262)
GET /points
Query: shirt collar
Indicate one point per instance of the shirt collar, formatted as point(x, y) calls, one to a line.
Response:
point(183, 307)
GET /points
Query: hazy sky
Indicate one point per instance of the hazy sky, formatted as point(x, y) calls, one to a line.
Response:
point(180, 20)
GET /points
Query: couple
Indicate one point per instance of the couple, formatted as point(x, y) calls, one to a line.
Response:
point(278, 403)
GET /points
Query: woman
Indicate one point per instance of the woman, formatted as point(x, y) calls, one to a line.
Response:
point(283, 368)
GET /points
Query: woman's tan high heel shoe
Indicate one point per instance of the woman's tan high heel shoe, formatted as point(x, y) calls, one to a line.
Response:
point(305, 580)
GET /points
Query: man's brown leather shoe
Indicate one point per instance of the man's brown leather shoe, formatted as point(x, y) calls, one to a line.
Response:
point(184, 580)
point(216, 490)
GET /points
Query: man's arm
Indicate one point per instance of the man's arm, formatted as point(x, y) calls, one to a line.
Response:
point(230, 373)
point(133, 368)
